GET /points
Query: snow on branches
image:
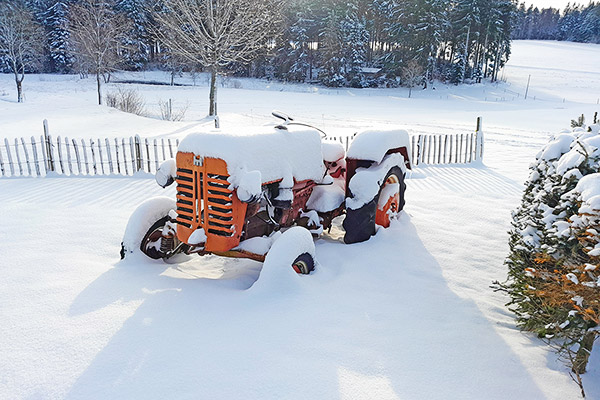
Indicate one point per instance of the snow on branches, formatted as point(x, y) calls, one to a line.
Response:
point(554, 260)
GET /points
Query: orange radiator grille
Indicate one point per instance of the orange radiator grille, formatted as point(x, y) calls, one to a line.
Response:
point(204, 200)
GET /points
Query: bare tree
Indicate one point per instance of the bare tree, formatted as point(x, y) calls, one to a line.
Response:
point(412, 75)
point(21, 42)
point(217, 33)
point(97, 34)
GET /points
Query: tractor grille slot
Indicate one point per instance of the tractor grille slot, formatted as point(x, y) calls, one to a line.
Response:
point(205, 200)
point(220, 205)
point(185, 197)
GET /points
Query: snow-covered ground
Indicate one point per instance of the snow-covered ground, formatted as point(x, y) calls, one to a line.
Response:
point(406, 315)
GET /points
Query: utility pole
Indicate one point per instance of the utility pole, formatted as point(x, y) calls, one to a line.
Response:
point(527, 89)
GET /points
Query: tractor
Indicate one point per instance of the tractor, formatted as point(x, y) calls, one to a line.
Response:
point(238, 191)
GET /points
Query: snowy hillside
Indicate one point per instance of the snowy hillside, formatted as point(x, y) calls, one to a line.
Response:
point(407, 315)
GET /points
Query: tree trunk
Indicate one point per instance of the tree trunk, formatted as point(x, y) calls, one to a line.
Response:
point(19, 89)
point(213, 92)
point(583, 354)
point(99, 92)
point(466, 53)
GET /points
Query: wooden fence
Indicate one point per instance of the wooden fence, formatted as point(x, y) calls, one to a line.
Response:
point(438, 149)
point(65, 156)
point(126, 156)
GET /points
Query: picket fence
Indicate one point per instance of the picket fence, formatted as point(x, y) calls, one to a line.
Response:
point(86, 157)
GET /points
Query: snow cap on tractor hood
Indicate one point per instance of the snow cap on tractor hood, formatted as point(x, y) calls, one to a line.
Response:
point(373, 144)
point(276, 153)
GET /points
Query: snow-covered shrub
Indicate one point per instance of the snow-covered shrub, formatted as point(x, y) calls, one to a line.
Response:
point(554, 260)
point(168, 114)
point(126, 100)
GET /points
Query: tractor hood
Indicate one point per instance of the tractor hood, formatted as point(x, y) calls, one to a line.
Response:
point(277, 153)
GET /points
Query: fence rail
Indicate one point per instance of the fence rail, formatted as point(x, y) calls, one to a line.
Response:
point(126, 156)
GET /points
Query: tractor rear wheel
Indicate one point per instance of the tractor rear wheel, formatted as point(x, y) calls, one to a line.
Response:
point(360, 224)
point(388, 203)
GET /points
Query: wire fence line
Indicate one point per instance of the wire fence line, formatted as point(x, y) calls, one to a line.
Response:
point(46, 155)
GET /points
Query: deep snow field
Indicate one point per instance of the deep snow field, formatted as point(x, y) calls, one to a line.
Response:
point(407, 315)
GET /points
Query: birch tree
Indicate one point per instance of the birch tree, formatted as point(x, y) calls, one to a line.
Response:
point(218, 33)
point(97, 36)
point(21, 42)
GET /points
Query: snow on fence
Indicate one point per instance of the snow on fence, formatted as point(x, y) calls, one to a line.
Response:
point(126, 156)
point(65, 156)
point(438, 149)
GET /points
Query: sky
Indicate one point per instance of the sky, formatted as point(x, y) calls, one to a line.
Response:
point(552, 3)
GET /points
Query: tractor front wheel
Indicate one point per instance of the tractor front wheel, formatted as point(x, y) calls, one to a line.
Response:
point(154, 244)
point(304, 264)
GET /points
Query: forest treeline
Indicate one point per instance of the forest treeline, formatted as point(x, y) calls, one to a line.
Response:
point(576, 23)
point(355, 43)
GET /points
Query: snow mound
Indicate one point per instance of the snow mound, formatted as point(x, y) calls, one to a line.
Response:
point(275, 153)
point(143, 218)
point(325, 198)
point(365, 184)
point(277, 274)
point(332, 151)
point(373, 144)
point(557, 147)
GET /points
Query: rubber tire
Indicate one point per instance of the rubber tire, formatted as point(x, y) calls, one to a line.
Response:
point(153, 253)
point(360, 223)
point(307, 264)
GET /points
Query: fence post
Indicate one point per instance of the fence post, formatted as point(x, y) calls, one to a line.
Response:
point(148, 154)
point(93, 157)
point(26, 157)
point(445, 157)
point(2, 164)
point(479, 141)
point(109, 155)
point(124, 155)
point(69, 160)
point(85, 157)
point(170, 148)
point(117, 154)
point(99, 143)
point(413, 150)
point(471, 147)
point(18, 157)
point(10, 160)
point(60, 155)
point(420, 149)
point(35, 156)
point(77, 156)
point(48, 161)
point(156, 163)
point(138, 153)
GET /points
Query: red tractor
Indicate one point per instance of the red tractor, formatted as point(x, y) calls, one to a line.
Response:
point(237, 191)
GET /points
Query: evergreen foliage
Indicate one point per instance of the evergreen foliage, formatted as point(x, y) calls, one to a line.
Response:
point(56, 22)
point(554, 260)
point(577, 23)
point(355, 43)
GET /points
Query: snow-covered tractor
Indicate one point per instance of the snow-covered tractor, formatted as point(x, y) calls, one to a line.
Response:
point(236, 192)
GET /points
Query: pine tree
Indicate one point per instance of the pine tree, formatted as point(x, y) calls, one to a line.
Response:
point(298, 49)
point(137, 44)
point(332, 72)
point(554, 260)
point(354, 39)
point(56, 23)
point(429, 22)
